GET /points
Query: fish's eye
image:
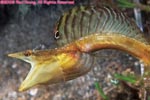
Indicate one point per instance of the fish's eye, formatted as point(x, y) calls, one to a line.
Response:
point(27, 53)
point(57, 35)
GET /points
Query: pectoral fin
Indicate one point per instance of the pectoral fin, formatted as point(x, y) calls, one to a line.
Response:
point(83, 66)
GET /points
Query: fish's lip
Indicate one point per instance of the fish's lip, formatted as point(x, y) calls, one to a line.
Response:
point(22, 88)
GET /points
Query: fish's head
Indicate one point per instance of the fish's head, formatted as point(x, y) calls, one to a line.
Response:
point(47, 66)
point(26, 56)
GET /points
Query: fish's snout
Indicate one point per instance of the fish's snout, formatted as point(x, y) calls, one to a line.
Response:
point(13, 55)
point(16, 55)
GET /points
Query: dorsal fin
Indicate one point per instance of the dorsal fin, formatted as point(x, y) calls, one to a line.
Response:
point(85, 20)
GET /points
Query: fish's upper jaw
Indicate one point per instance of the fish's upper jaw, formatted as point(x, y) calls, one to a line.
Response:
point(22, 56)
point(14, 55)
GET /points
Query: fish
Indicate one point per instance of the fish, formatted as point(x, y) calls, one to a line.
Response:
point(79, 33)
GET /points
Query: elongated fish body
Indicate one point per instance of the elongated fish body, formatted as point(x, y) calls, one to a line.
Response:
point(85, 20)
point(98, 41)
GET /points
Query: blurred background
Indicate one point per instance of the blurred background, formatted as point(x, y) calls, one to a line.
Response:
point(25, 27)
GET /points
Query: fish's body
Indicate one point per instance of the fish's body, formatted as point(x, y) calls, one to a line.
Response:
point(98, 41)
point(79, 32)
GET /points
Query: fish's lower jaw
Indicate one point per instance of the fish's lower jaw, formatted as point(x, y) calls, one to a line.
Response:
point(25, 86)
